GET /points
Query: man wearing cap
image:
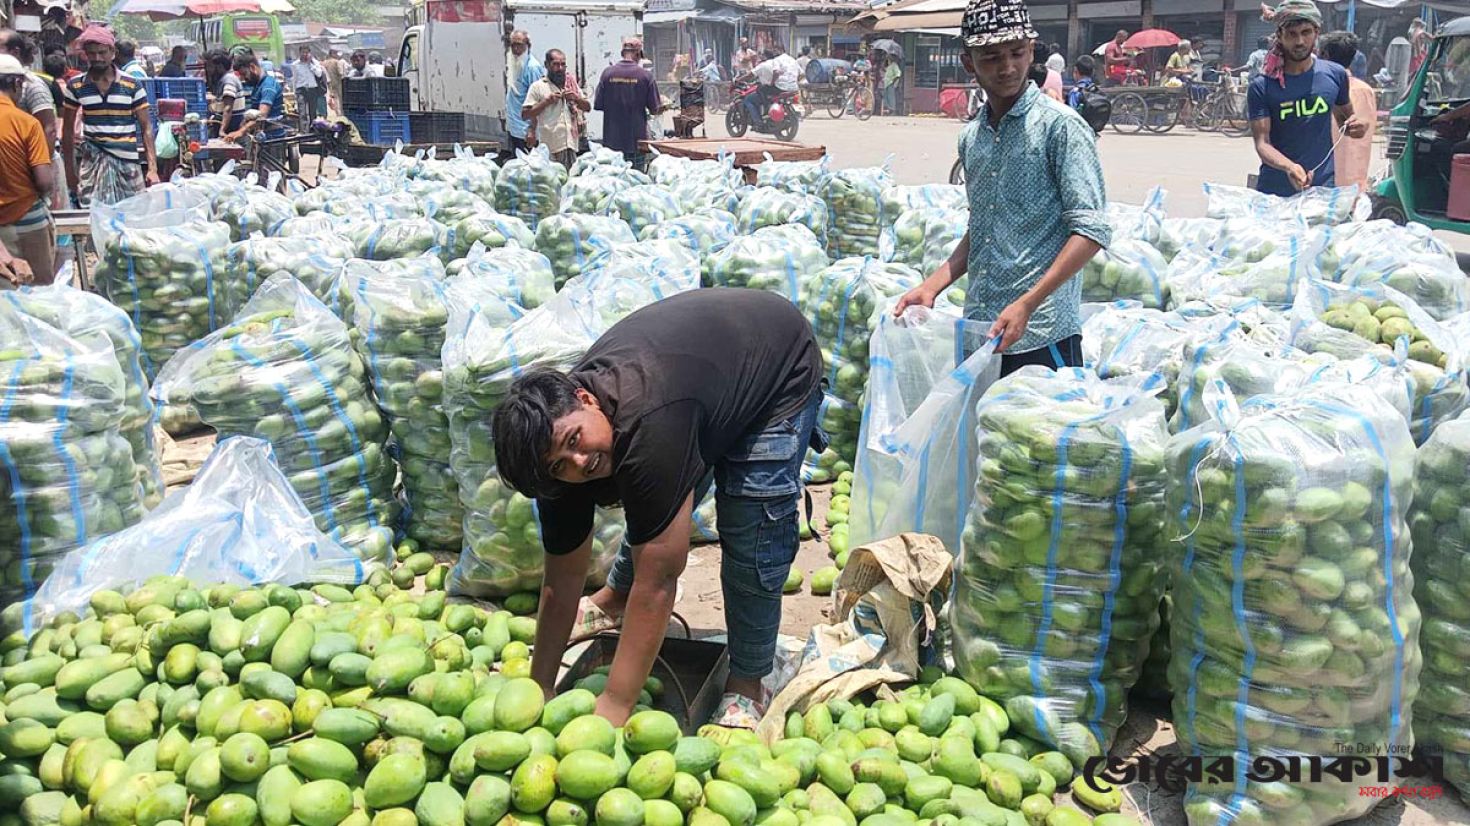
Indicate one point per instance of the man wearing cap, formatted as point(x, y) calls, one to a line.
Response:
point(626, 97)
point(1297, 104)
point(1037, 203)
point(26, 178)
point(115, 126)
point(522, 70)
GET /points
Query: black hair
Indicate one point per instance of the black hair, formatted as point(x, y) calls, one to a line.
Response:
point(12, 83)
point(126, 50)
point(179, 50)
point(243, 60)
point(1085, 66)
point(1037, 73)
point(54, 64)
point(24, 49)
point(1263, 43)
point(806, 50)
point(1339, 47)
point(522, 427)
point(375, 58)
point(1055, 48)
point(550, 52)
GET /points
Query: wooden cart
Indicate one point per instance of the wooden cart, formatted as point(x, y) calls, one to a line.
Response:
point(1154, 108)
point(748, 152)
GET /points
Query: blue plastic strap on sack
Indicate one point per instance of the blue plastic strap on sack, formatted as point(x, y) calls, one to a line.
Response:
point(1186, 568)
point(1058, 498)
point(1242, 625)
point(336, 405)
point(793, 286)
point(1115, 578)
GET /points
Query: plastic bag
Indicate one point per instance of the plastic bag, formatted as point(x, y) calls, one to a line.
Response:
point(1123, 341)
point(590, 194)
point(92, 320)
point(238, 522)
point(285, 371)
point(400, 320)
point(854, 200)
point(643, 206)
point(598, 160)
point(1177, 233)
point(400, 238)
point(1313, 206)
point(253, 210)
point(163, 266)
point(520, 276)
point(572, 241)
point(341, 299)
point(702, 521)
point(66, 472)
point(490, 230)
point(315, 225)
point(705, 231)
point(1272, 279)
point(669, 170)
point(1129, 268)
point(483, 354)
point(770, 207)
point(1408, 259)
point(915, 468)
point(464, 172)
point(529, 187)
point(1248, 368)
point(778, 259)
point(450, 206)
point(1372, 320)
point(695, 194)
point(843, 304)
point(314, 261)
point(897, 200)
point(792, 176)
point(1441, 560)
point(1294, 630)
point(666, 266)
point(1061, 574)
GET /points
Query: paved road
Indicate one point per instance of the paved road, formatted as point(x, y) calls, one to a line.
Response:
point(923, 149)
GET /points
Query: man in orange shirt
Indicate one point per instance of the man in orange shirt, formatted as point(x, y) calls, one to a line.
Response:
point(1354, 155)
point(26, 178)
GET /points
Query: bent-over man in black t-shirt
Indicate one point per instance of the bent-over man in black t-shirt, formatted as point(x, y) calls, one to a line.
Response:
point(708, 386)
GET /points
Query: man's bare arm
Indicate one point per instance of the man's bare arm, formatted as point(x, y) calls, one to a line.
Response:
point(69, 143)
point(952, 270)
point(1272, 157)
point(561, 588)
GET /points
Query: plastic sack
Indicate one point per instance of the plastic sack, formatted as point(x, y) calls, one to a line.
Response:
point(520, 276)
point(694, 194)
point(490, 230)
point(903, 240)
point(314, 261)
point(66, 472)
point(1246, 367)
point(643, 206)
point(572, 241)
point(1129, 268)
point(1272, 279)
point(164, 268)
point(1372, 320)
point(238, 522)
point(897, 200)
point(1138, 222)
point(598, 159)
point(1294, 628)
point(1123, 341)
point(915, 468)
point(1061, 574)
point(792, 176)
point(285, 371)
point(464, 172)
point(1177, 233)
point(669, 170)
point(90, 319)
point(529, 187)
point(400, 238)
point(400, 319)
point(778, 259)
point(665, 266)
point(705, 231)
point(1408, 259)
point(590, 194)
point(483, 354)
point(1440, 563)
point(253, 210)
point(1313, 206)
point(397, 204)
point(770, 207)
point(843, 304)
point(450, 206)
point(702, 521)
point(854, 199)
point(315, 225)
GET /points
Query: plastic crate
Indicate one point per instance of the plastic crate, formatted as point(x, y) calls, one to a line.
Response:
point(373, 93)
point(437, 127)
point(382, 128)
point(188, 89)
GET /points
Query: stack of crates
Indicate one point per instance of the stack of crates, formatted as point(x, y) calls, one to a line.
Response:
point(378, 107)
point(188, 89)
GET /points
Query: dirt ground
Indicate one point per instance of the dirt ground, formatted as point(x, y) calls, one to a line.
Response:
point(1147, 730)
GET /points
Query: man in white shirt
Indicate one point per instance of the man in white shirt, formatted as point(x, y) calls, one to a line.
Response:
point(309, 77)
point(1055, 61)
point(551, 108)
point(777, 73)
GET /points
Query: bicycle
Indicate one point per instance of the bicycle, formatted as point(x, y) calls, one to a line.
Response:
point(858, 99)
point(1223, 110)
point(282, 155)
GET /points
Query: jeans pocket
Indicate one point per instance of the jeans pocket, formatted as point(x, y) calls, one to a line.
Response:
point(763, 465)
point(776, 542)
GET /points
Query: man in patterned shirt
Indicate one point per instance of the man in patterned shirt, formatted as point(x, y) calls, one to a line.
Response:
point(115, 123)
point(1037, 203)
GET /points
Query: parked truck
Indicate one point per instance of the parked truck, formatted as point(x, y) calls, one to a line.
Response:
point(454, 51)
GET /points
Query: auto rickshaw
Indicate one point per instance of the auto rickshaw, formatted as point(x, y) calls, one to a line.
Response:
point(1416, 187)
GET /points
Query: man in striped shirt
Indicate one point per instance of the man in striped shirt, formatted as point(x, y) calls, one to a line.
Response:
point(115, 125)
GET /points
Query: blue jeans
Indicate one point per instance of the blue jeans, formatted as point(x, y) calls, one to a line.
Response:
point(757, 494)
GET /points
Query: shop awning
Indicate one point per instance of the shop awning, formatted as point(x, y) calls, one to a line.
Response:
point(911, 15)
point(654, 18)
point(723, 14)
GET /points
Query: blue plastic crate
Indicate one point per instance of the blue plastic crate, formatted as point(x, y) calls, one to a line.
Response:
point(188, 89)
point(382, 128)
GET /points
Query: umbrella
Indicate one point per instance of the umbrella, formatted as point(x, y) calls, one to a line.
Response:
point(1151, 39)
point(888, 46)
point(171, 9)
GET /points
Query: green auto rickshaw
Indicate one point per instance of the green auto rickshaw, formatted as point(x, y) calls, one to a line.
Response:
point(1419, 154)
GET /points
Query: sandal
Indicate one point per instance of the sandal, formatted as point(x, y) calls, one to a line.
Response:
point(738, 711)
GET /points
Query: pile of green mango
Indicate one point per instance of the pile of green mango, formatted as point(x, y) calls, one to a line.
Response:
point(1128, 269)
point(1294, 629)
point(490, 231)
point(529, 187)
point(775, 258)
point(399, 238)
point(572, 241)
point(312, 260)
point(935, 754)
point(67, 475)
point(770, 207)
point(285, 371)
point(705, 230)
point(252, 210)
point(1059, 583)
point(643, 206)
point(838, 511)
point(1439, 523)
point(854, 204)
point(1383, 322)
point(843, 303)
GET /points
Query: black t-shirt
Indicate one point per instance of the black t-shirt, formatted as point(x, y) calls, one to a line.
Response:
point(681, 380)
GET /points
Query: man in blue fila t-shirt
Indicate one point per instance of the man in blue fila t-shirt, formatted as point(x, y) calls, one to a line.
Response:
point(1295, 105)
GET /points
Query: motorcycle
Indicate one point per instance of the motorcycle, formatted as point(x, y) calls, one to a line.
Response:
point(780, 119)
